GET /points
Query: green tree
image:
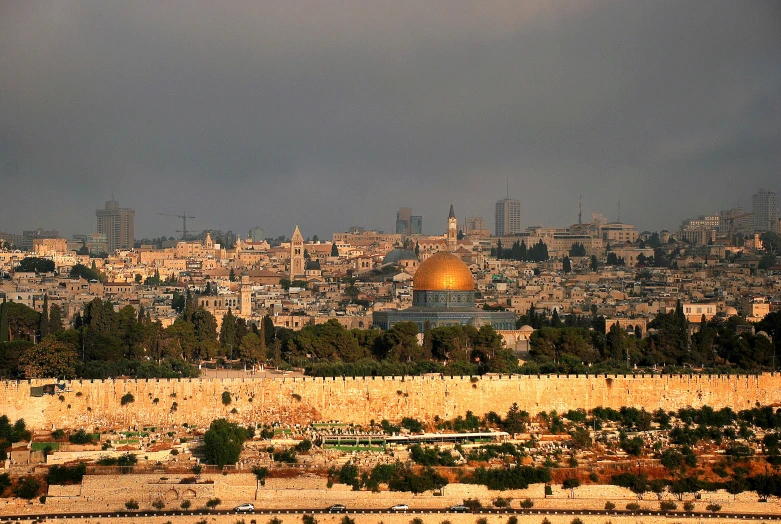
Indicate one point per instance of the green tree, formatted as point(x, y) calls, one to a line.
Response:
point(27, 488)
point(223, 442)
point(35, 265)
point(82, 271)
point(4, 333)
point(570, 483)
point(566, 265)
point(43, 324)
point(267, 330)
point(55, 319)
point(49, 359)
point(767, 260)
point(228, 333)
point(252, 349)
point(594, 264)
point(334, 250)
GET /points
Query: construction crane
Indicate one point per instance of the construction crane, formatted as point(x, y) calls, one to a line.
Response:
point(732, 223)
point(184, 218)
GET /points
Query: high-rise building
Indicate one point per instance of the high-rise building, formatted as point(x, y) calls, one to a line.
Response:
point(403, 217)
point(407, 223)
point(764, 206)
point(256, 234)
point(508, 217)
point(416, 225)
point(118, 224)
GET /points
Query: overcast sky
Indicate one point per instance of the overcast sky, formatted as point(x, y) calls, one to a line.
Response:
point(334, 114)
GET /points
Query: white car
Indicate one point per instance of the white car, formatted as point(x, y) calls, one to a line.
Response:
point(400, 507)
point(245, 507)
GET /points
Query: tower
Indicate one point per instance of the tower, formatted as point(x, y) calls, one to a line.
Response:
point(117, 223)
point(764, 207)
point(508, 217)
point(452, 230)
point(296, 254)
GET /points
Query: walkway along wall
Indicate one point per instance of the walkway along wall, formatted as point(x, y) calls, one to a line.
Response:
point(301, 400)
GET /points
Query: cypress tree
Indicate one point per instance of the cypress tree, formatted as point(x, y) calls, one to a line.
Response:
point(268, 330)
point(43, 325)
point(3, 322)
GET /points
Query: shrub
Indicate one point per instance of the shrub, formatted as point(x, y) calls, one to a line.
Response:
point(609, 506)
point(668, 505)
point(472, 503)
point(42, 499)
point(527, 504)
point(27, 488)
point(347, 520)
point(80, 437)
point(275, 520)
point(158, 504)
point(502, 502)
point(416, 520)
point(185, 504)
point(481, 520)
point(58, 434)
point(633, 506)
point(308, 519)
point(713, 507)
point(65, 474)
point(512, 520)
point(577, 520)
point(126, 399)
point(213, 503)
point(131, 505)
point(226, 398)
point(304, 446)
point(688, 505)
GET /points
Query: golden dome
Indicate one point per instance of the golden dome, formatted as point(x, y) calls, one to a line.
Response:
point(443, 272)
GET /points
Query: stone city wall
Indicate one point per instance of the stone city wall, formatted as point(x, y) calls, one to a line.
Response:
point(165, 403)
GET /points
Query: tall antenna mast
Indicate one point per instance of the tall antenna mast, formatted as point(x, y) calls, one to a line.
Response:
point(619, 211)
point(580, 210)
point(508, 188)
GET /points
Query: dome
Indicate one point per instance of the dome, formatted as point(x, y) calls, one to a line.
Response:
point(395, 256)
point(730, 311)
point(443, 272)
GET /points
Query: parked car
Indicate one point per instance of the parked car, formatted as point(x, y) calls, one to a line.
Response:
point(337, 508)
point(459, 508)
point(245, 507)
point(400, 507)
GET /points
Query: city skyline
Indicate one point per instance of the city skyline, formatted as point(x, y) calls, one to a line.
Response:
point(254, 115)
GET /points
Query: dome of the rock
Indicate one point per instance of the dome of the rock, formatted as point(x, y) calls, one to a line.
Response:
point(443, 272)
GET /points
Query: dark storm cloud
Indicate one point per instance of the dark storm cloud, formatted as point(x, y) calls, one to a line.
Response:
point(334, 114)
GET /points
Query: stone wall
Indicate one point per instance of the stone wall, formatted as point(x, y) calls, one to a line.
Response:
point(165, 403)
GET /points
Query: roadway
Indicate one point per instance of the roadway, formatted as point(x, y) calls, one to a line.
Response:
point(365, 511)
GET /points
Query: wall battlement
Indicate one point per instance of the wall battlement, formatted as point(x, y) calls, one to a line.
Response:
point(169, 402)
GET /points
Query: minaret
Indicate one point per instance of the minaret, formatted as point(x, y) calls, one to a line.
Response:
point(452, 231)
point(296, 254)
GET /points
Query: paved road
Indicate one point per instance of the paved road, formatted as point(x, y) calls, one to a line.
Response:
point(412, 511)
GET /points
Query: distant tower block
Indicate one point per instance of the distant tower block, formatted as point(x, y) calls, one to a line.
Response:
point(296, 254)
point(245, 297)
point(452, 230)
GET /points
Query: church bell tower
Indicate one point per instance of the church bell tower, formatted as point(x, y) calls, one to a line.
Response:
point(452, 230)
point(296, 254)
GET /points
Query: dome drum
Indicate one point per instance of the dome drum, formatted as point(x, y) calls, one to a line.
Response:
point(443, 299)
